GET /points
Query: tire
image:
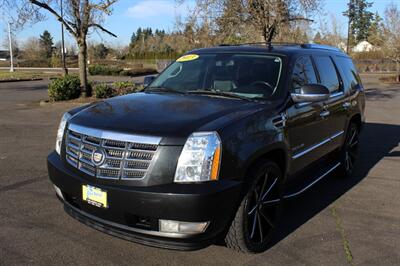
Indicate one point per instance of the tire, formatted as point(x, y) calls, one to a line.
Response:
point(349, 152)
point(257, 216)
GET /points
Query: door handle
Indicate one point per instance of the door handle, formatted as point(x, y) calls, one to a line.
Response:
point(346, 105)
point(324, 114)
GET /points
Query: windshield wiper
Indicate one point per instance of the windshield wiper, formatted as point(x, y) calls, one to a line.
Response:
point(164, 89)
point(219, 93)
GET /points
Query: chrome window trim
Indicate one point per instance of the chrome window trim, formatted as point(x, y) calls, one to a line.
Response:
point(111, 135)
point(333, 95)
point(315, 146)
point(336, 94)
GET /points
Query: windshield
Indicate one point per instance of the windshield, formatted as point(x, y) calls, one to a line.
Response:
point(244, 75)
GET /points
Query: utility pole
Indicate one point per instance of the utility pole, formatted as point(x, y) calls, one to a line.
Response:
point(62, 40)
point(11, 49)
point(348, 36)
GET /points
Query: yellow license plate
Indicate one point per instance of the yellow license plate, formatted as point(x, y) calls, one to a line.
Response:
point(94, 196)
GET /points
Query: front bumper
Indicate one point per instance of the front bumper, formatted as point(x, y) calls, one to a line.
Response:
point(129, 207)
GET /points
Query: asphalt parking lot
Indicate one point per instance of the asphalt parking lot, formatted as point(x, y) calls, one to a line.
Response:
point(338, 222)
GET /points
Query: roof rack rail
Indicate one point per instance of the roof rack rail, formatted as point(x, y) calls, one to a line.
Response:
point(301, 45)
point(320, 46)
point(271, 43)
point(260, 43)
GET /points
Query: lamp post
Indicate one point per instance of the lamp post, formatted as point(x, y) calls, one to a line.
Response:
point(62, 40)
point(11, 49)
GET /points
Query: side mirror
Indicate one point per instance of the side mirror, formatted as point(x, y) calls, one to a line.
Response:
point(311, 93)
point(148, 80)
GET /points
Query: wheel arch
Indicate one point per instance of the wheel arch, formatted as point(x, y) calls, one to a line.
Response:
point(356, 118)
point(276, 153)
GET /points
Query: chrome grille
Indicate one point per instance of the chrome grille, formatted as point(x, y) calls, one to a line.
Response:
point(123, 159)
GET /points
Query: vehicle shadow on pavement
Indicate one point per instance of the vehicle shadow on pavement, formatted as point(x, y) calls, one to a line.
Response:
point(376, 142)
point(374, 94)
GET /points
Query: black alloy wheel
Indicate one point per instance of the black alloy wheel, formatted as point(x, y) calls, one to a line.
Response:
point(259, 212)
point(349, 151)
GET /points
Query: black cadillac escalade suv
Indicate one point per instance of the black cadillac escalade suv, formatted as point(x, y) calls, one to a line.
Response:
point(212, 147)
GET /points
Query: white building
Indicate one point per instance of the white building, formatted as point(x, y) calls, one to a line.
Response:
point(364, 46)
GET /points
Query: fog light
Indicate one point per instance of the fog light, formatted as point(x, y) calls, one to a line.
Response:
point(58, 192)
point(169, 226)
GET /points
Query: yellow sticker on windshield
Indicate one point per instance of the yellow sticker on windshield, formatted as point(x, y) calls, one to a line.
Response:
point(188, 57)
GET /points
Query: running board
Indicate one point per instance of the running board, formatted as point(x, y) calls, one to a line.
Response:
point(302, 190)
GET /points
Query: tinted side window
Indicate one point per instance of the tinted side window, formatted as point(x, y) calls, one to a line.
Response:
point(348, 71)
point(303, 73)
point(327, 73)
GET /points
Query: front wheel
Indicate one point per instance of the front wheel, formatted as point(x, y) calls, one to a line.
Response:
point(259, 211)
point(349, 151)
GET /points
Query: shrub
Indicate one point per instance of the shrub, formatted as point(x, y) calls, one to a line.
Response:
point(35, 63)
point(103, 91)
point(124, 87)
point(64, 88)
point(138, 72)
point(123, 84)
point(104, 70)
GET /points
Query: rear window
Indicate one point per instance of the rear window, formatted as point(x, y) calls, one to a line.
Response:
point(327, 73)
point(348, 71)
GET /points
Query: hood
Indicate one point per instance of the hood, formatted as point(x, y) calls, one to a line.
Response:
point(171, 116)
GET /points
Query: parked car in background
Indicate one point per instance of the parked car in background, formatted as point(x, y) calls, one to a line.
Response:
point(148, 79)
point(212, 147)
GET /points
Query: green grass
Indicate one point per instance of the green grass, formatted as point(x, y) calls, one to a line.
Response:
point(345, 241)
point(18, 75)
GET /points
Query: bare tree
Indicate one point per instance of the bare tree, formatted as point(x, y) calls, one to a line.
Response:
point(330, 32)
point(270, 17)
point(79, 18)
point(273, 16)
point(15, 43)
point(392, 32)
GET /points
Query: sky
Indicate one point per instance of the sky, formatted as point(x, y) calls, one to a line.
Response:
point(128, 15)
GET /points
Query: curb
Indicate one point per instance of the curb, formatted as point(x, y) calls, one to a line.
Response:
point(17, 80)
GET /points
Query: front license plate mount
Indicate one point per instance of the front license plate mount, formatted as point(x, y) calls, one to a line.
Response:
point(94, 196)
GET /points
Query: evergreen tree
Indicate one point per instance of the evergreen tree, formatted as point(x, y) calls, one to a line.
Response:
point(46, 43)
point(159, 33)
point(133, 38)
point(375, 34)
point(360, 20)
point(100, 51)
point(138, 34)
point(318, 38)
point(148, 32)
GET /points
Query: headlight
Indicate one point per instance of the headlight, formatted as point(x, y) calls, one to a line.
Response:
point(60, 131)
point(200, 158)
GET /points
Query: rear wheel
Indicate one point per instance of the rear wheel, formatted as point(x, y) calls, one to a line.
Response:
point(259, 212)
point(349, 152)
